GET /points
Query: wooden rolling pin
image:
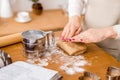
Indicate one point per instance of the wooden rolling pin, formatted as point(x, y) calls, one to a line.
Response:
point(10, 39)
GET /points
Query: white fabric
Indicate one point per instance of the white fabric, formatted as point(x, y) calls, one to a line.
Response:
point(98, 14)
point(75, 7)
point(117, 30)
point(102, 13)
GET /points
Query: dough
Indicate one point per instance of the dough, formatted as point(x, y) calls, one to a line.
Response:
point(72, 48)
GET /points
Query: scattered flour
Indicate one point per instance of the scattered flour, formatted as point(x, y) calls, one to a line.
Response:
point(69, 64)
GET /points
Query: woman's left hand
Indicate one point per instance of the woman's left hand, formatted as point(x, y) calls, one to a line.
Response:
point(94, 35)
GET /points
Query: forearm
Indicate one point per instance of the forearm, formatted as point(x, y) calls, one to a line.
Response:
point(113, 32)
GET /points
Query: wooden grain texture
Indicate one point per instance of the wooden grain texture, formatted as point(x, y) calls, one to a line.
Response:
point(48, 20)
point(99, 59)
point(10, 39)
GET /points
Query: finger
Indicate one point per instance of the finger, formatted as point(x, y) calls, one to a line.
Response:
point(64, 33)
point(80, 38)
point(85, 39)
point(78, 31)
point(77, 38)
point(71, 33)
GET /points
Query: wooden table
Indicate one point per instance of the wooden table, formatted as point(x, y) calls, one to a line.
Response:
point(55, 20)
point(98, 65)
point(48, 20)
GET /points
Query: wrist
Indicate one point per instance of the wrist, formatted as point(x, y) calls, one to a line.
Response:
point(110, 32)
point(75, 17)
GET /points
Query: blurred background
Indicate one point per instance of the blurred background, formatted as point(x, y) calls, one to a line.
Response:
point(25, 5)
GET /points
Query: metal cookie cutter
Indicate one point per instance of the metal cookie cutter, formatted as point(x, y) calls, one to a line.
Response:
point(5, 59)
point(113, 73)
point(89, 76)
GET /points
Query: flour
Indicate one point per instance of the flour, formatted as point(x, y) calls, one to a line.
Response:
point(80, 63)
point(69, 64)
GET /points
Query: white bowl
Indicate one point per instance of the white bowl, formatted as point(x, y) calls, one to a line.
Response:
point(22, 20)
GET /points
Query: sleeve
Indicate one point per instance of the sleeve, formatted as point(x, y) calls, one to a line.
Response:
point(75, 7)
point(117, 30)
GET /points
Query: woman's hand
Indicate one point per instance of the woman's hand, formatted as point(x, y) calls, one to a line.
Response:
point(72, 28)
point(94, 35)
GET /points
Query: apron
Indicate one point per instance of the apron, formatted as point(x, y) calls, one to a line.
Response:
point(104, 13)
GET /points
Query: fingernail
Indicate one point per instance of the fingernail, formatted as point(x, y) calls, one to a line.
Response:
point(72, 39)
point(81, 40)
point(69, 39)
point(62, 38)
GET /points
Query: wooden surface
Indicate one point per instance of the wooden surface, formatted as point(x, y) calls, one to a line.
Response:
point(10, 39)
point(99, 59)
point(49, 20)
point(55, 20)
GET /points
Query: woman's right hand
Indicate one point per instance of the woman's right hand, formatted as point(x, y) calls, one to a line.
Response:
point(72, 28)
